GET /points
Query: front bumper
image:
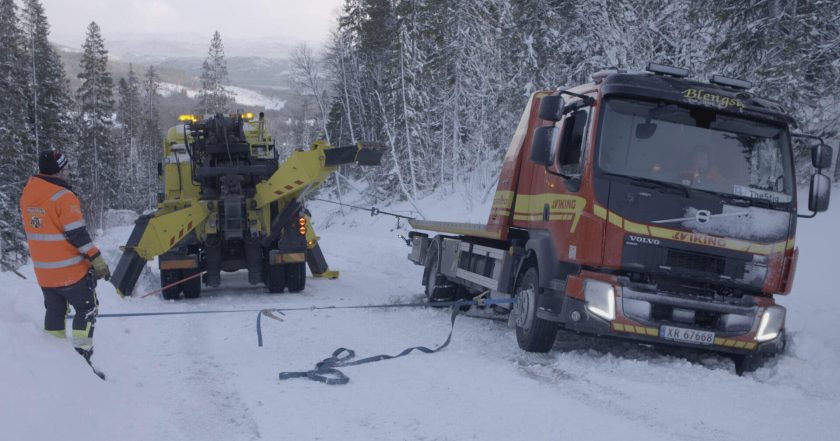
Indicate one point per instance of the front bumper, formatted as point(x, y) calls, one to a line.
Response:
point(573, 315)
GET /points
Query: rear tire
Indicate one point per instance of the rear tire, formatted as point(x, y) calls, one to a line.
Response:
point(276, 278)
point(192, 287)
point(533, 334)
point(168, 277)
point(296, 276)
point(435, 292)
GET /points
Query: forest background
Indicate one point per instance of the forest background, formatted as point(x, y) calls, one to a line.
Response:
point(441, 82)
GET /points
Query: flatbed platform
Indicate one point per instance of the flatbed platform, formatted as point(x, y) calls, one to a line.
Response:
point(460, 228)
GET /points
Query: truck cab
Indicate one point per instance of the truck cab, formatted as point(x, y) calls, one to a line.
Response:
point(643, 206)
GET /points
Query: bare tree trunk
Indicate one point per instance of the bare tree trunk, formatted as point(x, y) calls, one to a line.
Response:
point(405, 122)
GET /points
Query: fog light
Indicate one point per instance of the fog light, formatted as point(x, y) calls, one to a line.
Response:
point(600, 299)
point(771, 323)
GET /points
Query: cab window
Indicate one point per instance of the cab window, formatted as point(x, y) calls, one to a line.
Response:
point(573, 141)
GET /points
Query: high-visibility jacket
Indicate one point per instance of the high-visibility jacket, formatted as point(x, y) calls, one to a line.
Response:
point(59, 243)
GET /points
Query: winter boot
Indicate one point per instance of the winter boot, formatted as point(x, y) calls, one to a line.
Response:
point(86, 353)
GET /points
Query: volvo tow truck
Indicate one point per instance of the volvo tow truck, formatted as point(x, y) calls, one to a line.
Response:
point(643, 206)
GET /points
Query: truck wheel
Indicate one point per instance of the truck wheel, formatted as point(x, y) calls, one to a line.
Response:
point(276, 279)
point(168, 277)
point(533, 334)
point(296, 276)
point(192, 287)
point(753, 362)
point(435, 292)
point(747, 363)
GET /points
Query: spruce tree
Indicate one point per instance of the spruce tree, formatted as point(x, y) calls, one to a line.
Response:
point(213, 97)
point(150, 138)
point(130, 122)
point(49, 102)
point(14, 133)
point(97, 164)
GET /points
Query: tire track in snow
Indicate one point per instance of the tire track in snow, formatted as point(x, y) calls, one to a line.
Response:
point(613, 401)
point(213, 407)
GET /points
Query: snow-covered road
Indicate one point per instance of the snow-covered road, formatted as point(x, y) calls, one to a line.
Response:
point(202, 377)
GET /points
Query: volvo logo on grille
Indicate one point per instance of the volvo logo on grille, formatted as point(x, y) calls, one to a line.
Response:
point(703, 216)
point(646, 240)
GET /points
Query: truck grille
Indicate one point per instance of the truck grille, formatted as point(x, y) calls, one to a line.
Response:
point(695, 261)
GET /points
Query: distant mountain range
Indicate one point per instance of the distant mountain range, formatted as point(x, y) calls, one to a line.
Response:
point(259, 73)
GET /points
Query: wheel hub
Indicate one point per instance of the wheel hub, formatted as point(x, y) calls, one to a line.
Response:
point(524, 301)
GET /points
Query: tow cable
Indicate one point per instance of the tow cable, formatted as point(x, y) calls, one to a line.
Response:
point(326, 371)
point(373, 210)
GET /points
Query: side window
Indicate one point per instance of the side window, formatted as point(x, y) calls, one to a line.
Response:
point(574, 140)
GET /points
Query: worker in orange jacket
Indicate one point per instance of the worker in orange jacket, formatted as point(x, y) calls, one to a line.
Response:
point(66, 262)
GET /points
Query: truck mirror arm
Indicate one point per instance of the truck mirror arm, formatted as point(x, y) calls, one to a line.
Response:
point(588, 100)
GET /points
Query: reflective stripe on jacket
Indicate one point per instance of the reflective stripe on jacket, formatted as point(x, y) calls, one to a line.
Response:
point(59, 243)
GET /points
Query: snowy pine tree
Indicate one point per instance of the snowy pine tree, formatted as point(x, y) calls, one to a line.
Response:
point(130, 122)
point(213, 97)
point(150, 139)
point(97, 178)
point(50, 105)
point(14, 133)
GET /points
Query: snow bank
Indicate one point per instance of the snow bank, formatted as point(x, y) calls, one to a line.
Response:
point(202, 377)
point(49, 392)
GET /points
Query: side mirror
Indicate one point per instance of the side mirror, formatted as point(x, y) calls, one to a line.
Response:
point(821, 155)
point(544, 138)
point(645, 130)
point(551, 108)
point(820, 193)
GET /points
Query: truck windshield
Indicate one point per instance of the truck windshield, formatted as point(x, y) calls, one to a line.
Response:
point(697, 148)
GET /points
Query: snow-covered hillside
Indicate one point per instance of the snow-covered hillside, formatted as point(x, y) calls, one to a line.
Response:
point(241, 95)
point(202, 377)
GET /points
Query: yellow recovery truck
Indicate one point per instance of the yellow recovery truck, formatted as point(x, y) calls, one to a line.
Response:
point(227, 204)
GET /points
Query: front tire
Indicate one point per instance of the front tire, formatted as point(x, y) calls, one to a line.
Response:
point(533, 334)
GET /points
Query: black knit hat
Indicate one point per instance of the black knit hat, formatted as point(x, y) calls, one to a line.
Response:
point(51, 162)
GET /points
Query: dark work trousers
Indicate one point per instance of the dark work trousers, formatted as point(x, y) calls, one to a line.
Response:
point(82, 297)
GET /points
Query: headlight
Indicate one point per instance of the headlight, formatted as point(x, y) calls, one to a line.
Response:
point(771, 323)
point(600, 299)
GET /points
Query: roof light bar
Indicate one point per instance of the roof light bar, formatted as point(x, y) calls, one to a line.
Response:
point(731, 82)
point(663, 69)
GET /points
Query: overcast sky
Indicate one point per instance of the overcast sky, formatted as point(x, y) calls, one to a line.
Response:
point(301, 20)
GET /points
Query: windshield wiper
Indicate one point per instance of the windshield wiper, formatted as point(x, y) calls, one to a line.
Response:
point(743, 201)
point(653, 183)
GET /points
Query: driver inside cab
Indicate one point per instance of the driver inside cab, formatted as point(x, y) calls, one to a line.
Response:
point(702, 171)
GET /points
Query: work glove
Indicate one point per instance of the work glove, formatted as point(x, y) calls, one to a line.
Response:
point(100, 268)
